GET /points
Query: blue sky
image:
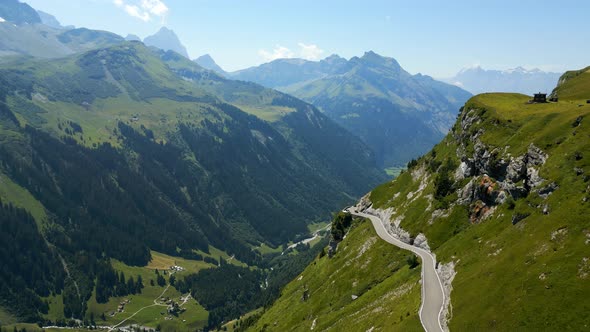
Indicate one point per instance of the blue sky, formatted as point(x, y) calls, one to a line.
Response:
point(434, 37)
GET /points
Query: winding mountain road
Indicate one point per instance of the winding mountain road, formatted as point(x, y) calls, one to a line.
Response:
point(432, 289)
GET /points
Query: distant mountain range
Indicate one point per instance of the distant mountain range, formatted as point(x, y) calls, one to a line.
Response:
point(399, 115)
point(26, 31)
point(478, 80)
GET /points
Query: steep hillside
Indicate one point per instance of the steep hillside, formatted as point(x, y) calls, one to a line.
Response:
point(502, 202)
point(398, 115)
point(122, 150)
point(366, 285)
point(573, 85)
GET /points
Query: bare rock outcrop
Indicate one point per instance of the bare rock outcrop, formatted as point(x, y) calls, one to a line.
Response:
point(495, 175)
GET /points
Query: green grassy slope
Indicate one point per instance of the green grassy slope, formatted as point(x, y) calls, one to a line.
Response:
point(529, 276)
point(572, 85)
point(388, 291)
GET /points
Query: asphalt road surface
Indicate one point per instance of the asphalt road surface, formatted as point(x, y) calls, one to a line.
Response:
point(432, 290)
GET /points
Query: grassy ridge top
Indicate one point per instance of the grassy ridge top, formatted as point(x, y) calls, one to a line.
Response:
point(129, 83)
point(574, 85)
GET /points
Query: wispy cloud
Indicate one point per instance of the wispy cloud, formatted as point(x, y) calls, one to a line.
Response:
point(310, 52)
point(279, 52)
point(144, 10)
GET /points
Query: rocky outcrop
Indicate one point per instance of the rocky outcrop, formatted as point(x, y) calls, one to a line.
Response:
point(495, 176)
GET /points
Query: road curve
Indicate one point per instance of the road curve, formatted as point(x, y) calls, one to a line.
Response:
point(432, 290)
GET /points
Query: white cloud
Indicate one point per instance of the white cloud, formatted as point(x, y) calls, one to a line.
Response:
point(134, 11)
point(143, 9)
point(155, 7)
point(279, 52)
point(310, 52)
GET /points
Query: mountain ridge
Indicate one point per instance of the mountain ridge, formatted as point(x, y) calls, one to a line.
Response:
point(207, 62)
point(375, 98)
point(167, 40)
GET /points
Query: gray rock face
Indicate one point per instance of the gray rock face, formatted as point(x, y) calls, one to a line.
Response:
point(509, 176)
point(535, 156)
point(516, 169)
point(532, 178)
point(467, 193)
point(463, 171)
point(515, 191)
point(422, 242)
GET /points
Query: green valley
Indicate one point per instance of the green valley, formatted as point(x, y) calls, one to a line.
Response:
point(123, 151)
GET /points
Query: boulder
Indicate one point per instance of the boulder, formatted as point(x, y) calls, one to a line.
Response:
point(464, 170)
point(547, 190)
point(516, 169)
point(468, 193)
point(421, 242)
point(516, 218)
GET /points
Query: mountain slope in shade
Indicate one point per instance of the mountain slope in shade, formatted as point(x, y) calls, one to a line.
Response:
point(399, 115)
point(166, 40)
point(478, 80)
point(207, 62)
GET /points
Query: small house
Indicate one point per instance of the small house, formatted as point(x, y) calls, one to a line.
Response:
point(540, 98)
point(553, 99)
